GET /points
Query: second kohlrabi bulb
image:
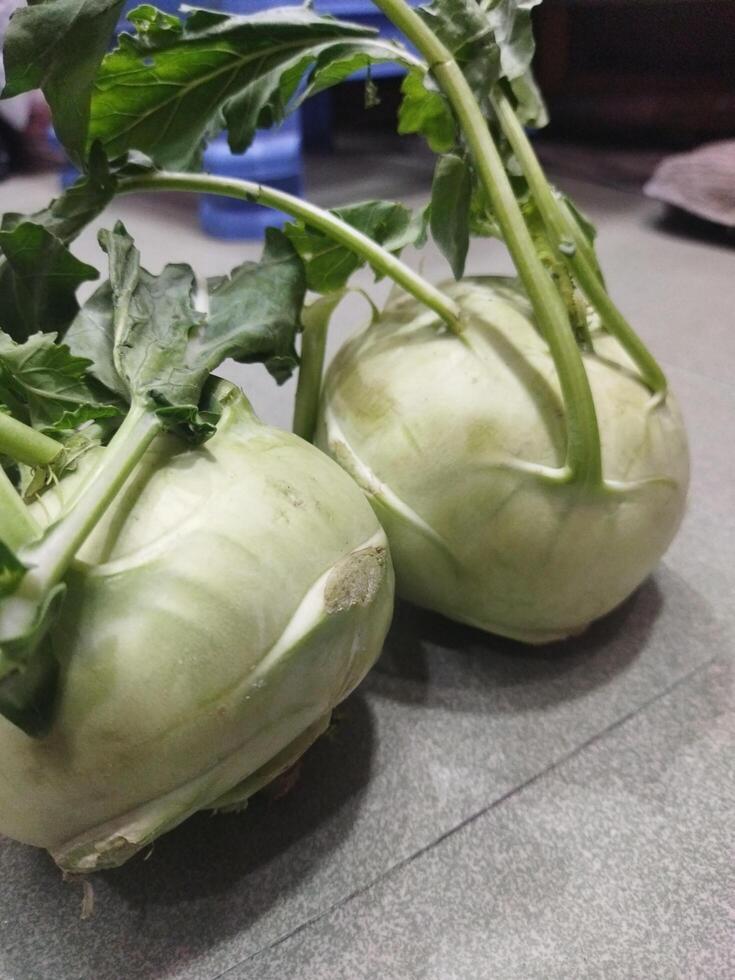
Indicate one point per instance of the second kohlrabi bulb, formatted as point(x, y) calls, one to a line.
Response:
point(459, 445)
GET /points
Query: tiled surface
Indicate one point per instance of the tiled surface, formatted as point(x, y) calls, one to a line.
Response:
point(451, 723)
point(705, 545)
point(676, 291)
point(617, 864)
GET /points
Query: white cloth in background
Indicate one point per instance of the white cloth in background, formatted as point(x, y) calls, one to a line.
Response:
point(701, 182)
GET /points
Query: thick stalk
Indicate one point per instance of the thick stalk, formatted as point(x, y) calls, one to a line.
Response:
point(127, 446)
point(17, 527)
point(583, 460)
point(315, 321)
point(561, 227)
point(49, 557)
point(552, 258)
point(578, 236)
point(306, 406)
point(379, 258)
point(25, 445)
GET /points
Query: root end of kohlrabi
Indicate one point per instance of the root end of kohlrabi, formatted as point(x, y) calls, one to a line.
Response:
point(115, 842)
point(236, 800)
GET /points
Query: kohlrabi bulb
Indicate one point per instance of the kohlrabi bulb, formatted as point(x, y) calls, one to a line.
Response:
point(231, 597)
point(459, 445)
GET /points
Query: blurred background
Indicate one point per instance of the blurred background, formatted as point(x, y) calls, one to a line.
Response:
point(647, 71)
point(629, 83)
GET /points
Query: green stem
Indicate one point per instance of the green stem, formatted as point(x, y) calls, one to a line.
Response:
point(380, 259)
point(549, 253)
point(557, 221)
point(17, 527)
point(28, 670)
point(584, 458)
point(25, 445)
point(315, 320)
point(49, 556)
point(122, 454)
point(306, 406)
point(578, 236)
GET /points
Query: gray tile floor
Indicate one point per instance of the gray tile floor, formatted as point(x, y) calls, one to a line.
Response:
point(481, 812)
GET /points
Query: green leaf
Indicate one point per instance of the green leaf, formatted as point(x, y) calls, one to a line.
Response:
point(463, 27)
point(329, 265)
point(425, 110)
point(492, 42)
point(148, 343)
point(482, 218)
point(266, 101)
point(528, 101)
point(63, 219)
point(57, 46)
point(255, 313)
point(584, 223)
point(48, 387)
point(510, 21)
point(212, 68)
point(155, 25)
point(79, 204)
point(153, 318)
point(91, 336)
point(451, 192)
point(40, 284)
point(339, 61)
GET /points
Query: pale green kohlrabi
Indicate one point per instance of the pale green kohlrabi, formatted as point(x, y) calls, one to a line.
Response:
point(185, 602)
point(231, 596)
point(459, 444)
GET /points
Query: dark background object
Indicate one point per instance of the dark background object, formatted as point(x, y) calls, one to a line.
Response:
point(638, 69)
point(630, 72)
point(10, 149)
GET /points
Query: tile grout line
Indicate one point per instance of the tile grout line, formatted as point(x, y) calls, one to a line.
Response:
point(494, 804)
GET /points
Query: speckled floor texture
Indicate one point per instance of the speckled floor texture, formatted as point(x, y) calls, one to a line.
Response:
point(481, 811)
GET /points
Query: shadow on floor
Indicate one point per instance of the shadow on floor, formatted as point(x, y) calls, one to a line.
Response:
point(430, 660)
point(213, 877)
point(679, 224)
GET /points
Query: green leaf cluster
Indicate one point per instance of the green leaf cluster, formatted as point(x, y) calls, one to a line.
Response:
point(57, 46)
point(329, 264)
point(147, 342)
point(39, 280)
point(209, 71)
point(493, 45)
point(425, 110)
point(174, 82)
point(44, 385)
point(39, 276)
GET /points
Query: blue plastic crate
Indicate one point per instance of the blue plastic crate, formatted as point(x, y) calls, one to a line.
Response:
point(273, 158)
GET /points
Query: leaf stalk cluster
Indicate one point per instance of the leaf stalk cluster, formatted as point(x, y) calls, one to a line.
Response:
point(583, 456)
